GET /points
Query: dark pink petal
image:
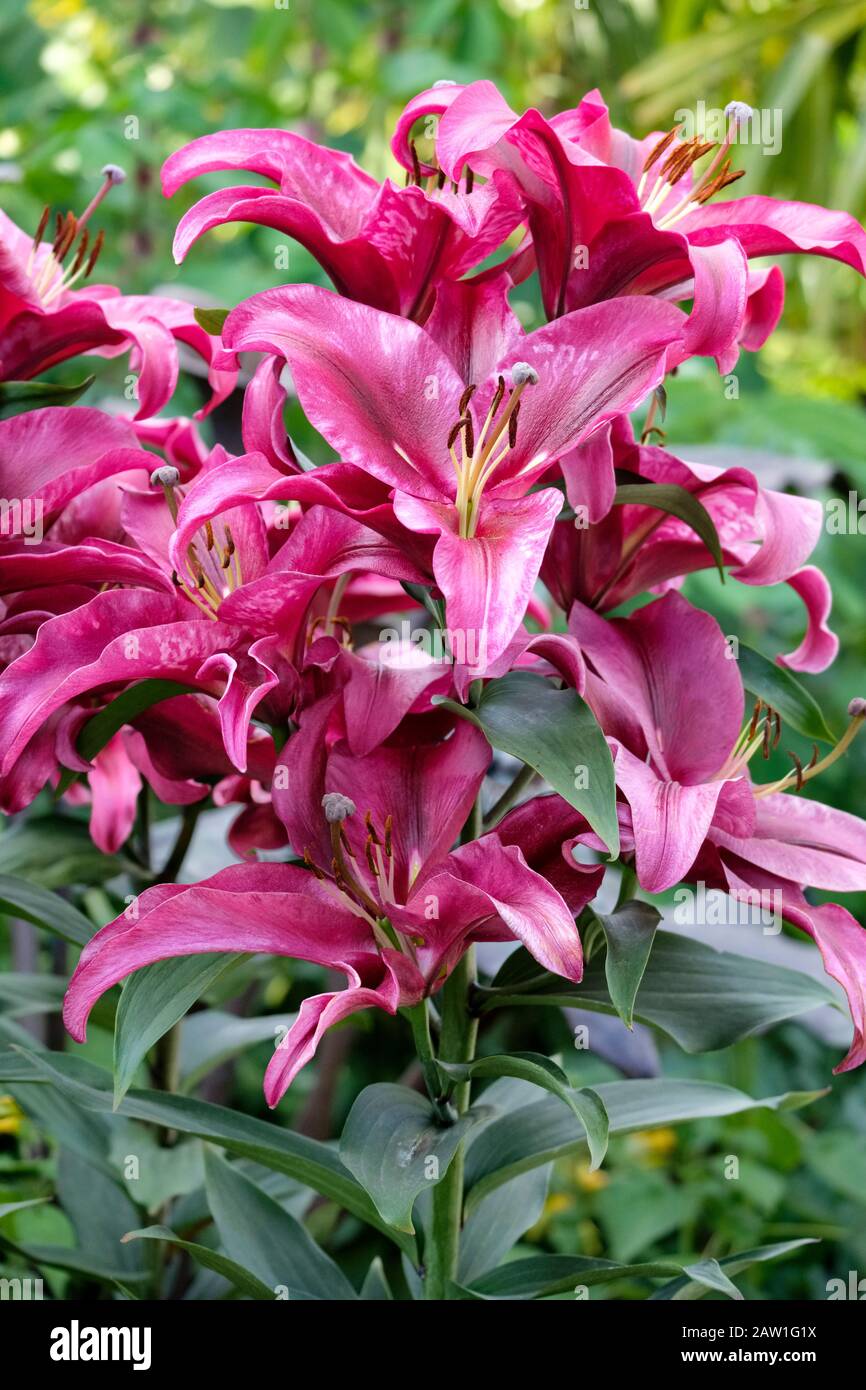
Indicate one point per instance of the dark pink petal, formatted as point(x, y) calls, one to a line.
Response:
point(487, 580)
point(671, 664)
point(804, 841)
point(390, 982)
point(54, 454)
point(670, 821)
point(114, 784)
point(375, 385)
point(273, 908)
point(769, 227)
point(474, 325)
point(307, 171)
point(542, 828)
point(486, 880)
point(820, 645)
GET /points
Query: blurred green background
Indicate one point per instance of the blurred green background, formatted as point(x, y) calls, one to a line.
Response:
point(83, 83)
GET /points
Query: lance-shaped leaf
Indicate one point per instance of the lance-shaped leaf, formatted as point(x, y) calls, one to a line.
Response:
point(679, 502)
point(628, 934)
point(242, 1279)
point(777, 687)
point(123, 709)
point(260, 1235)
point(703, 998)
point(585, 1104)
point(18, 396)
point(310, 1162)
point(395, 1146)
point(695, 1283)
point(544, 1130)
point(38, 905)
point(556, 733)
point(152, 1001)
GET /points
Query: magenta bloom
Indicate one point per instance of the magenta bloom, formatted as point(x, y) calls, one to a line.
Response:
point(610, 554)
point(610, 215)
point(46, 316)
point(461, 418)
point(380, 244)
point(383, 898)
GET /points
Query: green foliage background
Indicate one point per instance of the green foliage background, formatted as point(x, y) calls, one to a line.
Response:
point(84, 83)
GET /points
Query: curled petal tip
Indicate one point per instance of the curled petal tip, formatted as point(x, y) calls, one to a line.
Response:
point(337, 807)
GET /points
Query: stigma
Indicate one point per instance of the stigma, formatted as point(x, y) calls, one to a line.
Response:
point(214, 565)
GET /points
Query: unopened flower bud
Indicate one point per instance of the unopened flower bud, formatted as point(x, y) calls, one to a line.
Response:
point(857, 708)
point(337, 807)
point(522, 372)
point(165, 476)
point(113, 173)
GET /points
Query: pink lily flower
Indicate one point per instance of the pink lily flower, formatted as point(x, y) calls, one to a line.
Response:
point(766, 537)
point(384, 899)
point(432, 414)
point(648, 679)
point(380, 244)
point(610, 215)
point(46, 317)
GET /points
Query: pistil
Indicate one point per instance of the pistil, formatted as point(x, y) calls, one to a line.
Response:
point(480, 458)
point(52, 280)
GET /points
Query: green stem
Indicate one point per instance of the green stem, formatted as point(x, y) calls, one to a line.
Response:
point(523, 779)
point(627, 885)
point(457, 1044)
point(418, 1017)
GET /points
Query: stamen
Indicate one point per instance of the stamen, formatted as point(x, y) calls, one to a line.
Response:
point(470, 179)
point(308, 860)
point(389, 823)
point(416, 164)
point(368, 821)
point(799, 768)
point(857, 713)
point(466, 398)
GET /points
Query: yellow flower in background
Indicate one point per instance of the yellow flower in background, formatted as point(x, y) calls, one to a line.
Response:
point(587, 1180)
point(11, 1117)
point(654, 1145)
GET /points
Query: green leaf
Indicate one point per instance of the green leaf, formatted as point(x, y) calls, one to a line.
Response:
point(211, 320)
point(242, 1279)
point(499, 1221)
point(541, 1071)
point(211, 1037)
point(375, 1285)
point(396, 1148)
point(20, 898)
point(91, 1089)
point(18, 396)
point(97, 732)
point(541, 1276)
point(57, 851)
point(24, 994)
point(260, 1235)
point(76, 1261)
point(777, 687)
point(703, 998)
point(629, 933)
point(556, 733)
point(698, 1280)
point(544, 1131)
point(679, 502)
point(152, 1001)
